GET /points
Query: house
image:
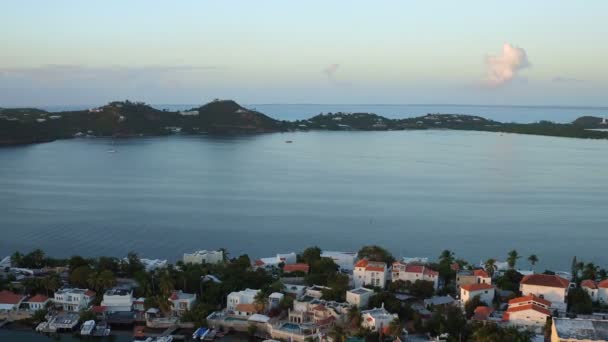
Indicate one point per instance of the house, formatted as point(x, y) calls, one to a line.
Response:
point(482, 313)
point(574, 330)
point(245, 310)
point(527, 311)
point(344, 260)
point(602, 291)
point(118, 300)
point(275, 261)
point(550, 287)
point(413, 272)
point(371, 273)
point(304, 268)
point(590, 287)
point(439, 301)
point(10, 300)
point(294, 289)
point(73, 299)
point(359, 297)
point(315, 291)
point(318, 311)
point(246, 296)
point(274, 300)
point(376, 319)
point(153, 264)
point(466, 277)
point(139, 304)
point(37, 302)
point(181, 302)
point(484, 291)
point(204, 257)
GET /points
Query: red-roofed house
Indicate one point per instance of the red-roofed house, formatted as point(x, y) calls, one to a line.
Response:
point(482, 313)
point(591, 288)
point(602, 291)
point(296, 268)
point(181, 302)
point(411, 273)
point(550, 287)
point(528, 311)
point(466, 277)
point(37, 302)
point(10, 300)
point(484, 291)
point(371, 273)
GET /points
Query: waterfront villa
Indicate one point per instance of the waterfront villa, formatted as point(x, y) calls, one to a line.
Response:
point(204, 257)
point(413, 272)
point(344, 260)
point(10, 300)
point(377, 318)
point(359, 297)
point(549, 287)
point(37, 302)
point(246, 296)
point(528, 311)
point(181, 302)
point(484, 291)
point(371, 273)
point(73, 299)
point(118, 300)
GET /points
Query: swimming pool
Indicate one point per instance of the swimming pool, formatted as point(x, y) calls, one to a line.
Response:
point(290, 327)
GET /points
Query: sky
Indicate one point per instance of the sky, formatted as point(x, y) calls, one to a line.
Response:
point(74, 52)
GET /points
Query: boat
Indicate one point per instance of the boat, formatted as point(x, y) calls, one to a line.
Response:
point(210, 336)
point(87, 328)
point(200, 333)
point(288, 141)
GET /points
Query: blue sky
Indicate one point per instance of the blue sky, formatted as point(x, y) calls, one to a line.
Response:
point(90, 52)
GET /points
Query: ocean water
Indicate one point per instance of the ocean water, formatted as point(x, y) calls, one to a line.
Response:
point(478, 194)
point(523, 114)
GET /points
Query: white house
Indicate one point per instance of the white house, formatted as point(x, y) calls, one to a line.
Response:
point(372, 273)
point(72, 299)
point(315, 291)
point(294, 289)
point(359, 297)
point(484, 291)
point(412, 272)
point(181, 302)
point(376, 319)
point(204, 257)
point(270, 262)
point(246, 296)
point(550, 287)
point(37, 302)
point(591, 288)
point(528, 311)
point(344, 260)
point(10, 300)
point(274, 300)
point(118, 300)
point(153, 264)
point(602, 291)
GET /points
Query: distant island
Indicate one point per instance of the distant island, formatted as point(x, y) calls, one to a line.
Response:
point(128, 119)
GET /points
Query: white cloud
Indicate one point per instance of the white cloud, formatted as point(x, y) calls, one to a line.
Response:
point(503, 68)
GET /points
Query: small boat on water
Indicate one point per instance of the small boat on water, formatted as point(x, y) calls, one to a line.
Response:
point(87, 328)
point(288, 141)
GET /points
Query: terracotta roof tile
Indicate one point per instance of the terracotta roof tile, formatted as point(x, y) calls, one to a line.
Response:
point(38, 299)
point(589, 283)
point(8, 297)
point(245, 308)
point(603, 284)
point(529, 307)
point(476, 287)
point(296, 267)
point(545, 280)
point(481, 273)
point(90, 293)
point(529, 298)
point(361, 263)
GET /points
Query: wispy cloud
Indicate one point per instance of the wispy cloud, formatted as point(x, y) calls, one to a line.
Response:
point(503, 68)
point(331, 72)
point(561, 79)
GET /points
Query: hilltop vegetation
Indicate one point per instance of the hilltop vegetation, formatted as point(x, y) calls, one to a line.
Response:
point(127, 119)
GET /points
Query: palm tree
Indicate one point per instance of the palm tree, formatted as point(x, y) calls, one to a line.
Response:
point(51, 283)
point(260, 301)
point(94, 282)
point(512, 258)
point(533, 259)
point(106, 279)
point(166, 284)
point(490, 266)
point(590, 271)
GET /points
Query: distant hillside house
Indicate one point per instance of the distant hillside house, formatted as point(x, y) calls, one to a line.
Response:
point(550, 287)
point(528, 311)
point(344, 260)
point(377, 319)
point(370, 273)
point(484, 291)
point(412, 272)
point(73, 299)
point(204, 257)
point(246, 296)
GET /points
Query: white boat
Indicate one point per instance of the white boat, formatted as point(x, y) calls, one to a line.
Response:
point(87, 328)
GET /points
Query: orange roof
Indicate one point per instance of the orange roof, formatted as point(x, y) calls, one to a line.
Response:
point(545, 280)
point(98, 309)
point(320, 307)
point(589, 283)
point(245, 308)
point(420, 269)
point(38, 299)
point(8, 297)
point(528, 307)
point(529, 298)
point(296, 267)
point(603, 284)
point(476, 287)
point(90, 293)
point(482, 313)
point(481, 273)
point(362, 263)
point(258, 263)
point(174, 296)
